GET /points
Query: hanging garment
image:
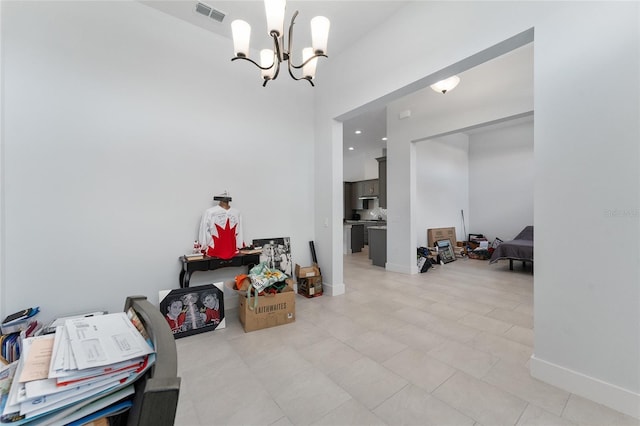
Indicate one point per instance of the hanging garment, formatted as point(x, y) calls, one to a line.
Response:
point(221, 232)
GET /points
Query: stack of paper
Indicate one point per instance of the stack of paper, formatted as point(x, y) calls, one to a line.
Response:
point(88, 362)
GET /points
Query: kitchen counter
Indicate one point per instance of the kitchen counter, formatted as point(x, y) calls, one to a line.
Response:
point(378, 245)
point(353, 237)
point(367, 224)
point(371, 221)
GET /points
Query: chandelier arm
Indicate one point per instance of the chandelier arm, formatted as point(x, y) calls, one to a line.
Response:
point(252, 61)
point(278, 55)
point(317, 55)
point(293, 21)
point(300, 78)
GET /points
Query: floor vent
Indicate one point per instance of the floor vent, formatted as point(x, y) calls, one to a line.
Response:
point(209, 11)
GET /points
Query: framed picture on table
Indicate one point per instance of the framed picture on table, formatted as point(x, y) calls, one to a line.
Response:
point(276, 252)
point(194, 310)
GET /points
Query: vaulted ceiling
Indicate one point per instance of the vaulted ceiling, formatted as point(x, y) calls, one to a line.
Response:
point(350, 21)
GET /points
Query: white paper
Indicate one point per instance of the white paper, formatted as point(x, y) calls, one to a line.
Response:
point(49, 402)
point(66, 376)
point(17, 393)
point(93, 406)
point(105, 339)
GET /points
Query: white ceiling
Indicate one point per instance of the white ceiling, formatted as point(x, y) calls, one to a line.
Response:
point(512, 72)
point(350, 21)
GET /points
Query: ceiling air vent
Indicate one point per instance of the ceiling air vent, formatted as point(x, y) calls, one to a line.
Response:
point(209, 11)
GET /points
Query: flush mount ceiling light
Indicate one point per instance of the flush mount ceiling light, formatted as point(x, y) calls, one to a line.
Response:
point(444, 86)
point(358, 132)
point(270, 59)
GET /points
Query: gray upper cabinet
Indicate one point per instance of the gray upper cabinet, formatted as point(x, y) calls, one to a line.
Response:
point(370, 188)
point(357, 194)
point(382, 182)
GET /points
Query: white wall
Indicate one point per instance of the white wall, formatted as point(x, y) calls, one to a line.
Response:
point(587, 318)
point(501, 172)
point(120, 123)
point(587, 333)
point(442, 184)
point(361, 165)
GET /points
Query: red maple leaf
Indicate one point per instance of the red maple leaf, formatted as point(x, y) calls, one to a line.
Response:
point(224, 245)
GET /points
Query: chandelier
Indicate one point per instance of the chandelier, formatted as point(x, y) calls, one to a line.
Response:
point(270, 59)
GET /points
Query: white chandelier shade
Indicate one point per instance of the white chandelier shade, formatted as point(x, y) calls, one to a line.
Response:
point(270, 59)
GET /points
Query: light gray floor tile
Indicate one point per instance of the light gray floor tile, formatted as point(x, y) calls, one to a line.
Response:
point(413, 406)
point(186, 413)
point(418, 338)
point(419, 369)
point(282, 421)
point(351, 413)
point(516, 379)
point(368, 382)
point(376, 345)
point(484, 323)
point(482, 402)
point(465, 358)
point(330, 354)
point(585, 412)
point(536, 416)
point(512, 317)
point(309, 397)
point(453, 330)
point(468, 305)
point(446, 311)
point(520, 335)
point(503, 348)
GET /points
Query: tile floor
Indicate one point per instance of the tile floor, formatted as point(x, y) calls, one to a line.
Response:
point(447, 347)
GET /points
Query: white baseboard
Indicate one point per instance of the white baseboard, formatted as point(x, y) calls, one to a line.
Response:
point(333, 289)
point(596, 390)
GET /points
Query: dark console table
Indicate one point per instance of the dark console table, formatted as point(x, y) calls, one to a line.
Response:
point(213, 263)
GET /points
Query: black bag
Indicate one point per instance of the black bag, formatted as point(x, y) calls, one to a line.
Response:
point(424, 261)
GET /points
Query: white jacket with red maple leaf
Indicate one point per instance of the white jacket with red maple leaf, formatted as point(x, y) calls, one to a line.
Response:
point(221, 232)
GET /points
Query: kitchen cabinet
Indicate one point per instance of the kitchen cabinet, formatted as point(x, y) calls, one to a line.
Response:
point(370, 188)
point(357, 238)
point(382, 182)
point(348, 202)
point(378, 245)
point(355, 191)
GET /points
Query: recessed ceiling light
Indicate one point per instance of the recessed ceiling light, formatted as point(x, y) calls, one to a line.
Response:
point(384, 139)
point(351, 148)
point(358, 132)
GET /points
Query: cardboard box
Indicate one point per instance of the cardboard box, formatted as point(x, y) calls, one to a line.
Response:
point(272, 310)
point(307, 271)
point(310, 287)
point(437, 234)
